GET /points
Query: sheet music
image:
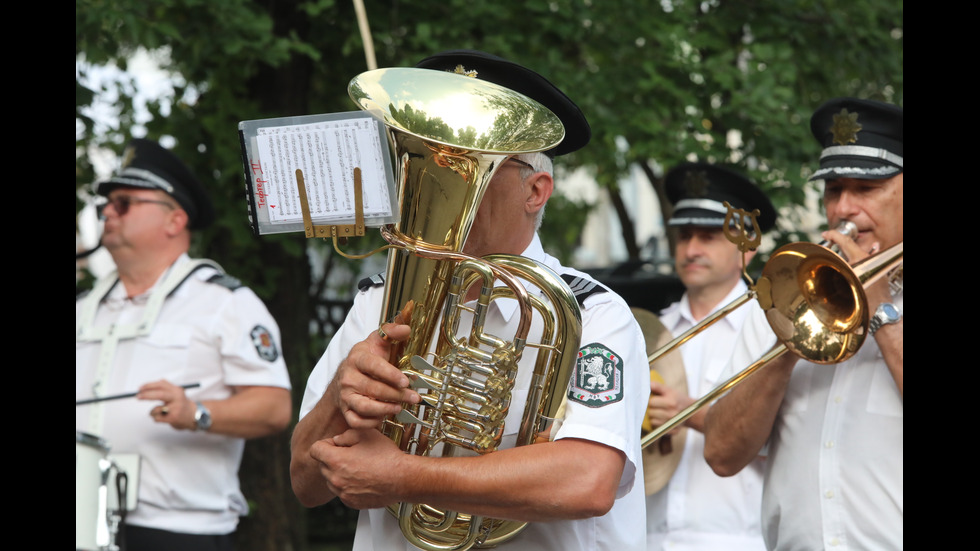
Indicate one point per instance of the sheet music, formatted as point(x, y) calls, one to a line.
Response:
point(326, 148)
point(327, 153)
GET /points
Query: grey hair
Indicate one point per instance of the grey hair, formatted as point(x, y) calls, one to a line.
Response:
point(541, 163)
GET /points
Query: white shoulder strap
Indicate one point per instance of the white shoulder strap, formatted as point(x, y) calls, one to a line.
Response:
point(85, 329)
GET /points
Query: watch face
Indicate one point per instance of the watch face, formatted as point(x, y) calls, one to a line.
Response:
point(885, 314)
point(889, 312)
point(203, 417)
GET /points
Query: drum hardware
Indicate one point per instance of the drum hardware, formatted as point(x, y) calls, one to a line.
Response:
point(99, 514)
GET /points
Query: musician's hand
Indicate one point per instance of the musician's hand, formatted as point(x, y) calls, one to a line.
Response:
point(359, 466)
point(849, 248)
point(665, 403)
point(366, 387)
point(176, 409)
point(853, 252)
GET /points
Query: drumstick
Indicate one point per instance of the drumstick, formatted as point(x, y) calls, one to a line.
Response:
point(127, 395)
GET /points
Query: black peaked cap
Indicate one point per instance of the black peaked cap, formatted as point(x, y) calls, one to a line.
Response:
point(698, 191)
point(861, 139)
point(523, 80)
point(146, 164)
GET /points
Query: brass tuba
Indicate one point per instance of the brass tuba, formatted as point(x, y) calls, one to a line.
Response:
point(449, 134)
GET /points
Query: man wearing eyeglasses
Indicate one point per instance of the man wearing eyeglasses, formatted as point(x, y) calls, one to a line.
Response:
point(580, 490)
point(161, 322)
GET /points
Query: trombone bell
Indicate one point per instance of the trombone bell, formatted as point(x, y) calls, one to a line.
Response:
point(815, 303)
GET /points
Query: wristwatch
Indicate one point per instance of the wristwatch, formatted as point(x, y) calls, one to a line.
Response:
point(202, 417)
point(885, 314)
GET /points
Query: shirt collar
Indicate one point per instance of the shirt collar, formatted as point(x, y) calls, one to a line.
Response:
point(683, 310)
point(118, 291)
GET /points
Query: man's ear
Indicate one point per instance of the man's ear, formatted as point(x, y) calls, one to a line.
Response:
point(539, 188)
point(177, 222)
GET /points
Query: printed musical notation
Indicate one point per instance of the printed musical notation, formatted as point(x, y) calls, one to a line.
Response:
point(327, 151)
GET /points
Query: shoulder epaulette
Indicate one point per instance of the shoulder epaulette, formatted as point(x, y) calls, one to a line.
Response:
point(583, 288)
point(372, 281)
point(226, 281)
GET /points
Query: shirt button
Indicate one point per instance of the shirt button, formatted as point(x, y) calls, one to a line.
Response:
point(834, 542)
point(829, 494)
point(829, 444)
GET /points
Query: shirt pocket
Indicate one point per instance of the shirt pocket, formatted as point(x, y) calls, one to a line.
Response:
point(163, 354)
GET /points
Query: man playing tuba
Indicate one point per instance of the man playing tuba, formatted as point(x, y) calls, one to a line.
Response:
point(580, 490)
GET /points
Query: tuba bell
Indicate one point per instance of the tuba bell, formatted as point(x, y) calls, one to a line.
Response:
point(449, 134)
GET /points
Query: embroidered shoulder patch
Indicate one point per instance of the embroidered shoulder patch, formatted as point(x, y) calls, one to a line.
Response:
point(598, 378)
point(264, 345)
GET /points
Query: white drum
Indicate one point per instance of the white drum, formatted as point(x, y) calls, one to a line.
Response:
point(92, 470)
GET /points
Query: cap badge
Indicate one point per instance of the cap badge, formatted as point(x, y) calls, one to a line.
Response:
point(128, 156)
point(845, 127)
point(460, 70)
point(696, 183)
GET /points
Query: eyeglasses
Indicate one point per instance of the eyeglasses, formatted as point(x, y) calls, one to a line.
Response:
point(121, 204)
point(522, 163)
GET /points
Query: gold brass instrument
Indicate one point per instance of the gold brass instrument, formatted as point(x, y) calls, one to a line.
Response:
point(449, 134)
point(814, 303)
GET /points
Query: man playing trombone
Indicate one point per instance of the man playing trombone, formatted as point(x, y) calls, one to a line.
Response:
point(833, 434)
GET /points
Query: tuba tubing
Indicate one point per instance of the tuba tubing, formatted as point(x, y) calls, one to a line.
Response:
point(800, 282)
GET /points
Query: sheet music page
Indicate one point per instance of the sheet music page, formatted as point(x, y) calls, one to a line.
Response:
point(327, 151)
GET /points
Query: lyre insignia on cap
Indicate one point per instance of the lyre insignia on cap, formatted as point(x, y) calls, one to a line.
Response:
point(845, 127)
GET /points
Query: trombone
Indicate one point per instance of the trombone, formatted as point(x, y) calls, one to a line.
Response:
point(814, 303)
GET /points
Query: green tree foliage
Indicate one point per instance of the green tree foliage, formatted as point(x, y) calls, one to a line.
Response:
point(675, 80)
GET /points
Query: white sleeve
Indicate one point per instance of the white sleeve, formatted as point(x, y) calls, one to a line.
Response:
point(251, 350)
point(363, 318)
point(610, 387)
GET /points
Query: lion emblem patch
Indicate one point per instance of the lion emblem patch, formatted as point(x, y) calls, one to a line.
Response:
point(598, 378)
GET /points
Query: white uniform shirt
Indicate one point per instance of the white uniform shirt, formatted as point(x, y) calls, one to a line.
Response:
point(835, 467)
point(206, 333)
point(699, 510)
point(606, 320)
